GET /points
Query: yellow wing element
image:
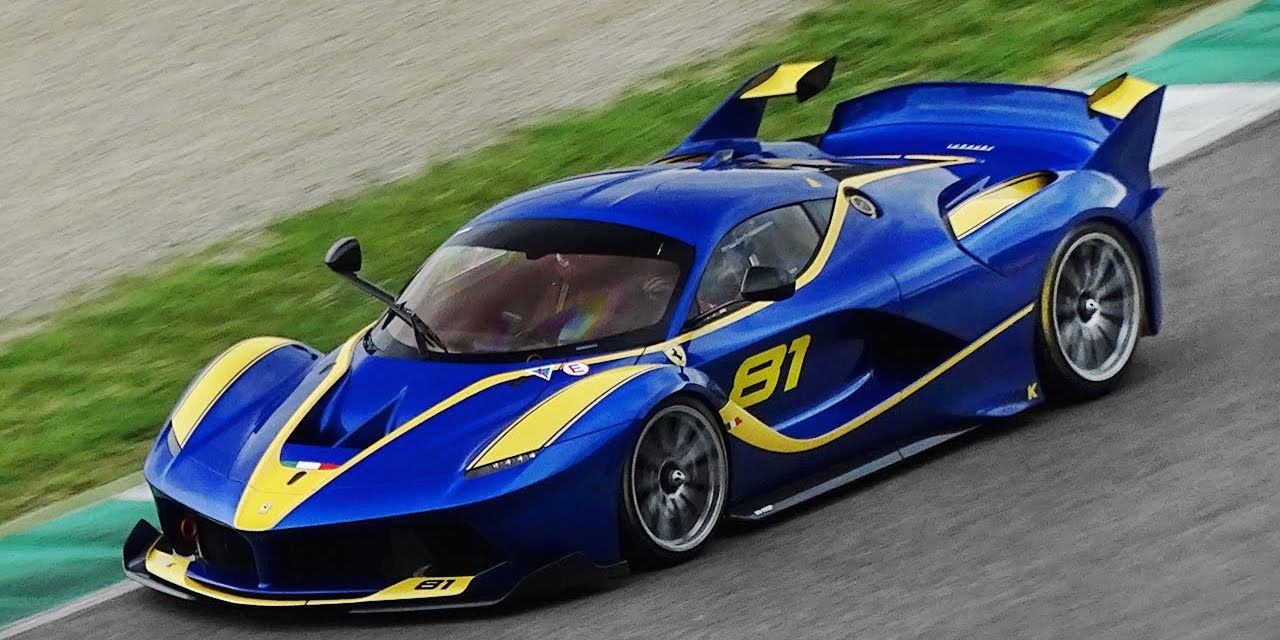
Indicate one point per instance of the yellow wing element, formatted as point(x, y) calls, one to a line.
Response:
point(802, 79)
point(751, 430)
point(553, 416)
point(216, 379)
point(984, 207)
point(1118, 96)
point(172, 568)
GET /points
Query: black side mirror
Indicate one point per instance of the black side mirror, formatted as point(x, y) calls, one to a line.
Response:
point(767, 283)
point(344, 256)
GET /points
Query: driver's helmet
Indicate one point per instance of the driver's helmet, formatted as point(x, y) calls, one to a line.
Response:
point(723, 281)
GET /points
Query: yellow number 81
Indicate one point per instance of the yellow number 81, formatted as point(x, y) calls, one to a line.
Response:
point(757, 376)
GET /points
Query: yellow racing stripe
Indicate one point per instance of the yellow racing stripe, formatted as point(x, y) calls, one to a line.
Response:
point(215, 380)
point(751, 430)
point(544, 423)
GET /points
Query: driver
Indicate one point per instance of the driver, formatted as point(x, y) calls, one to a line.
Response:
point(722, 283)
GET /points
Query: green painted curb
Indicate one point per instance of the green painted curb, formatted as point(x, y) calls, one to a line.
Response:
point(1153, 46)
point(1246, 49)
point(63, 507)
point(66, 558)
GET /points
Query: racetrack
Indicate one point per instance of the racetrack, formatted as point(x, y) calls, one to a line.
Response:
point(137, 129)
point(1149, 514)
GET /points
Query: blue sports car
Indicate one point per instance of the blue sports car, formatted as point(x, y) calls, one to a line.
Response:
point(596, 373)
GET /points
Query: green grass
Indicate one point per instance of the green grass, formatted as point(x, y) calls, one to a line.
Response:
point(82, 397)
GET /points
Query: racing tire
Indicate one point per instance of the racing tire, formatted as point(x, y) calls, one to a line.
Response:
point(1092, 313)
point(674, 484)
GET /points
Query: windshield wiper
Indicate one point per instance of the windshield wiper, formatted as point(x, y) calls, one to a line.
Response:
point(344, 259)
point(422, 334)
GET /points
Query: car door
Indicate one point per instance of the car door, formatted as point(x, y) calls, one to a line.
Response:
point(776, 363)
point(805, 375)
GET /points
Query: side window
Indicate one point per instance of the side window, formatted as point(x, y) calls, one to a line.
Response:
point(820, 212)
point(784, 238)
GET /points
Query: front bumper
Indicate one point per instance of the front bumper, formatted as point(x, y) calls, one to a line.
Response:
point(149, 561)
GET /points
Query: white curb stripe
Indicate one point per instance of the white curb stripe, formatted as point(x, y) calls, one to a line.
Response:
point(1197, 115)
point(139, 493)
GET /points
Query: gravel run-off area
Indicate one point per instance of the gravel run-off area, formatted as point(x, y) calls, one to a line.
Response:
point(137, 129)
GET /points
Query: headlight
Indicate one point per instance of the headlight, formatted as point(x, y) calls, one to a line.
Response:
point(505, 463)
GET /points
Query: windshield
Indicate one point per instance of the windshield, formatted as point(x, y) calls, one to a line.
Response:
point(525, 287)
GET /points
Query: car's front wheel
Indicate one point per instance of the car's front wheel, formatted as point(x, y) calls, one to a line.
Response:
point(1091, 310)
point(674, 484)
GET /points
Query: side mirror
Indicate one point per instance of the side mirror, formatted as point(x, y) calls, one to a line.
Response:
point(344, 256)
point(767, 283)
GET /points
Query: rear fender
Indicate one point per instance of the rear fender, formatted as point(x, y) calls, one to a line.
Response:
point(1018, 243)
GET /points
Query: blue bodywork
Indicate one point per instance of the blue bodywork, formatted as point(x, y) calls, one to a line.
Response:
point(898, 296)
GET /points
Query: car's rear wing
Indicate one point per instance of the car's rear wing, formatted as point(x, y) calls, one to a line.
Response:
point(1111, 129)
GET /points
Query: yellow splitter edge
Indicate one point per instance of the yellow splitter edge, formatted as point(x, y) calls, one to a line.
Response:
point(173, 569)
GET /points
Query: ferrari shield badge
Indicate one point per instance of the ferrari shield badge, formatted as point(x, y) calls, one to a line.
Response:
point(676, 355)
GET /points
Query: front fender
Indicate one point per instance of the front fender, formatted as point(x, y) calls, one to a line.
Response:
point(614, 397)
point(237, 380)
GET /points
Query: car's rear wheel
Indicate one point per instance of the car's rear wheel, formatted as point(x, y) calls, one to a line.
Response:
point(1091, 313)
point(674, 484)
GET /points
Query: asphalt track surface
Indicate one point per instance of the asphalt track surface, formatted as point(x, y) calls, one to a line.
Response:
point(1152, 513)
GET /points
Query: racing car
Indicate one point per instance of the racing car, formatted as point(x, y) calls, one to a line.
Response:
point(593, 375)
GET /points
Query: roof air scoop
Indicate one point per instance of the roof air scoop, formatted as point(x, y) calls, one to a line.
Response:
point(721, 158)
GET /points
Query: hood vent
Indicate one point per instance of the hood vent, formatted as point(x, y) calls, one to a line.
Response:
point(333, 424)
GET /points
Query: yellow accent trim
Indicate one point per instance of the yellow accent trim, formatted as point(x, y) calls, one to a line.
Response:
point(972, 214)
point(1120, 95)
point(782, 82)
point(546, 421)
point(173, 568)
point(268, 496)
point(1033, 391)
point(215, 380)
point(842, 208)
point(751, 430)
point(684, 157)
point(408, 590)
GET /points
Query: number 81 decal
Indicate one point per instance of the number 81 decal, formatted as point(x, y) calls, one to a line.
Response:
point(758, 376)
